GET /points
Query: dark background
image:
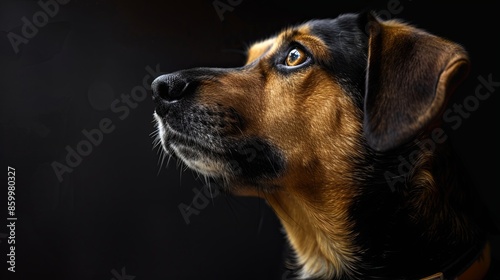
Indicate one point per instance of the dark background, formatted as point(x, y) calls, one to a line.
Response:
point(116, 215)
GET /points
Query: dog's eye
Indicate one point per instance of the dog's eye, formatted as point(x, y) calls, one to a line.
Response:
point(295, 57)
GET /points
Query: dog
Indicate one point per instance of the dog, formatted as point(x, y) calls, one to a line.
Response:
point(336, 124)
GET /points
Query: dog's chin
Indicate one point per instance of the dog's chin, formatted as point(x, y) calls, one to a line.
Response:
point(196, 156)
point(199, 161)
point(233, 162)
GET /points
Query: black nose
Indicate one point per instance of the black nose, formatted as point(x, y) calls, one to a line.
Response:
point(171, 87)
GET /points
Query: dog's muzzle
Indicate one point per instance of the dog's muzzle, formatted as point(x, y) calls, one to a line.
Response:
point(175, 96)
point(206, 133)
point(194, 132)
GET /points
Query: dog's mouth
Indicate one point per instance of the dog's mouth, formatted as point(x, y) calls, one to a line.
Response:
point(215, 153)
point(201, 152)
point(209, 135)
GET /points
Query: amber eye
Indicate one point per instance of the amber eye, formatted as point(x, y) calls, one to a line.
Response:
point(295, 57)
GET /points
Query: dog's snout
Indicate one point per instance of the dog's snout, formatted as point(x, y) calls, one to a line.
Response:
point(171, 87)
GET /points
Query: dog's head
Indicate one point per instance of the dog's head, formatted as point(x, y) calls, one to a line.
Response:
point(306, 121)
point(313, 94)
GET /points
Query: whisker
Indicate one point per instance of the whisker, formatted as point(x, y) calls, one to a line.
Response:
point(168, 160)
point(161, 163)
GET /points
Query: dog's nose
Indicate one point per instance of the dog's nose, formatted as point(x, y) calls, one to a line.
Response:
point(171, 87)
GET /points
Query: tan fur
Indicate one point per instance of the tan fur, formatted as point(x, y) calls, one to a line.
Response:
point(258, 48)
point(323, 139)
point(319, 143)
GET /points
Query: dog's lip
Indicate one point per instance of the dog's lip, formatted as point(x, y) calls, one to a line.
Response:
point(208, 166)
point(197, 156)
point(172, 137)
point(188, 142)
point(186, 151)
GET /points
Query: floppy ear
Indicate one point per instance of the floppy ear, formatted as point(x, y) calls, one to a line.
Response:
point(410, 76)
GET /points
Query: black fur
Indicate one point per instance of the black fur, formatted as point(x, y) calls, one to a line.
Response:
point(348, 48)
point(394, 235)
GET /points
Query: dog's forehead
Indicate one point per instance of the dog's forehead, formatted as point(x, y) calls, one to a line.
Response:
point(270, 45)
point(300, 33)
point(317, 34)
point(259, 48)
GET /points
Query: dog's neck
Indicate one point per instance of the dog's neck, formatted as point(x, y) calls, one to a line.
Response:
point(321, 236)
point(377, 223)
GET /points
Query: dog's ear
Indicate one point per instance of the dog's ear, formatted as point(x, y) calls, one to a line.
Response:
point(410, 75)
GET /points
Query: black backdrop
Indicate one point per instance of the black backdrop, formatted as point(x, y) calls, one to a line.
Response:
point(113, 212)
